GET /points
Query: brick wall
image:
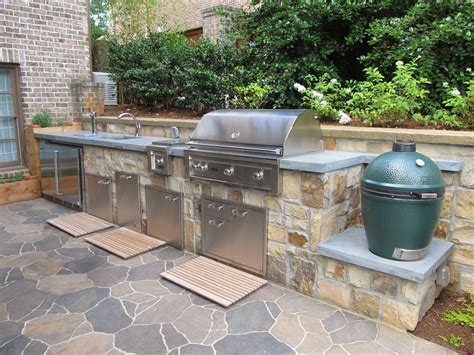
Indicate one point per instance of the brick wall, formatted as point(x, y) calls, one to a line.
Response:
point(50, 42)
point(189, 14)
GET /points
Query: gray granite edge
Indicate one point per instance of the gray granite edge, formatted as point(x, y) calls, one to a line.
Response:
point(125, 144)
point(321, 167)
point(414, 271)
point(292, 163)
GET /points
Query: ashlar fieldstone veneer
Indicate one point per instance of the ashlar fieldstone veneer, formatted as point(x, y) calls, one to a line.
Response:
point(312, 208)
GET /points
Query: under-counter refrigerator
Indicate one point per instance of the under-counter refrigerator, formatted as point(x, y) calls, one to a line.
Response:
point(61, 174)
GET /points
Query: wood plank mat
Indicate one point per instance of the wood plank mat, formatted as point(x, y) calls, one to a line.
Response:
point(220, 283)
point(79, 224)
point(124, 242)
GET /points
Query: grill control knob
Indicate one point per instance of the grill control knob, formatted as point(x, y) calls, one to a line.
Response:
point(229, 171)
point(203, 167)
point(258, 175)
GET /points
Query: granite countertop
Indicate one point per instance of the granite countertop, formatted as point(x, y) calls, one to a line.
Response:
point(318, 162)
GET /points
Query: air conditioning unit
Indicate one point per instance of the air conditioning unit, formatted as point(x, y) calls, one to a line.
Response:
point(110, 87)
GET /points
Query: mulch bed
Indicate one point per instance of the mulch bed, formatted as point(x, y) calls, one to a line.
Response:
point(433, 328)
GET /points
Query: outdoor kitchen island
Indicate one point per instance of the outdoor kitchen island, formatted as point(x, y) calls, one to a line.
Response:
point(319, 199)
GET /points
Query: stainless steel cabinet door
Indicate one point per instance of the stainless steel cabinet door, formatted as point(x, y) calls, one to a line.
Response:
point(217, 237)
point(164, 214)
point(248, 231)
point(129, 210)
point(99, 196)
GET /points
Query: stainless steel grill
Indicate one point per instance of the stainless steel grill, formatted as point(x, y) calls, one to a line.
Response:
point(243, 147)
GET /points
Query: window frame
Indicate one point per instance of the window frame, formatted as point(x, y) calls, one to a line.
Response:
point(19, 119)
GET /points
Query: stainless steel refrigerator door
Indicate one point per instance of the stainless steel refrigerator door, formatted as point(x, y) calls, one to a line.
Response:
point(61, 173)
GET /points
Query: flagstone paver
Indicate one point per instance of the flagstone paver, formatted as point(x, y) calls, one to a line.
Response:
point(59, 294)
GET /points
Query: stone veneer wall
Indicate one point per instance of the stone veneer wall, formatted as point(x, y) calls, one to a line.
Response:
point(457, 217)
point(311, 208)
point(50, 42)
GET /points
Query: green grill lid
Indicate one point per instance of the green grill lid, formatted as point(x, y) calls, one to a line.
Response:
point(403, 171)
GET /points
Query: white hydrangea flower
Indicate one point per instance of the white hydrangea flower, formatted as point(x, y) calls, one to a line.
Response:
point(455, 92)
point(399, 63)
point(300, 88)
point(344, 118)
point(316, 95)
point(324, 103)
point(333, 81)
point(445, 84)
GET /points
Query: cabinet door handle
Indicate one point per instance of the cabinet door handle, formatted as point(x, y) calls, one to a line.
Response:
point(220, 207)
point(175, 199)
point(126, 177)
point(103, 182)
point(214, 223)
point(168, 197)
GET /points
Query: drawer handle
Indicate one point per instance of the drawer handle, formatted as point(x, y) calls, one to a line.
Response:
point(126, 177)
point(170, 198)
point(211, 205)
point(214, 223)
point(236, 213)
point(103, 182)
point(220, 207)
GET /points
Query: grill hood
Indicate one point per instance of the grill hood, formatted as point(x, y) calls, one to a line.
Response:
point(288, 132)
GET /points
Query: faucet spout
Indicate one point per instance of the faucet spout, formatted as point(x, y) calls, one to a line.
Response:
point(93, 117)
point(138, 126)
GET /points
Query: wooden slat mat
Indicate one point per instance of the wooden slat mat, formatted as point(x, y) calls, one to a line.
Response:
point(220, 283)
point(124, 242)
point(79, 224)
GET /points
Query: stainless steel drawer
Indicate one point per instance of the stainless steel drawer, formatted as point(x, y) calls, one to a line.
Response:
point(217, 241)
point(164, 214)
point(129, 210)
point(216, 209)
point(99, 196)
point(240, 238)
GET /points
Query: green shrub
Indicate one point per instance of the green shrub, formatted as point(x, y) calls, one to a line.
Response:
point(377, 100)
point(440, 32)
point(326, 96)
point(252, 96)
point(208, 75)
point(43, 118)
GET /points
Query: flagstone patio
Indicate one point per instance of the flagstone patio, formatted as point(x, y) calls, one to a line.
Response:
point(59, 294)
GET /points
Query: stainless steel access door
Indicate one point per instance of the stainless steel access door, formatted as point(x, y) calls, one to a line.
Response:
point(61, 174)
point(249, 237)
point(164, 214)
point(99, 196)
point(129, 209)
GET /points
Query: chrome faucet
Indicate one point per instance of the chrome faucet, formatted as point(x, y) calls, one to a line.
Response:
point(138, 127)
point(93, 117)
